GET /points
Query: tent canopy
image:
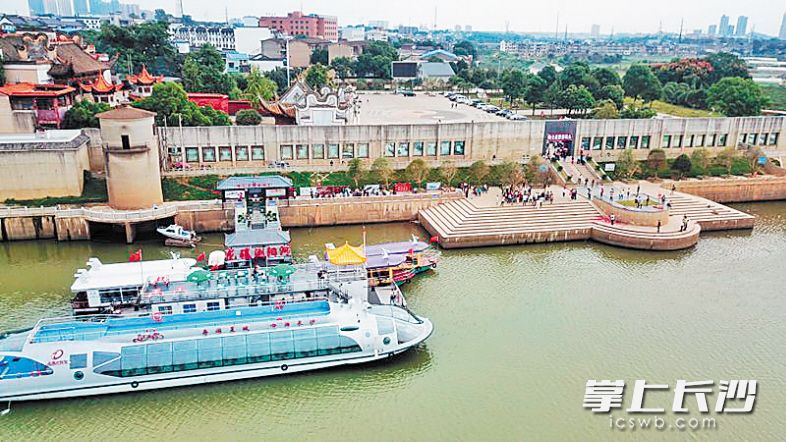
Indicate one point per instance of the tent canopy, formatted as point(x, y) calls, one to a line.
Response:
point(346, 255)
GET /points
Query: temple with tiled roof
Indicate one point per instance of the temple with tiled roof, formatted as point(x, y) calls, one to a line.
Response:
point(102, 91)
point(142, 83)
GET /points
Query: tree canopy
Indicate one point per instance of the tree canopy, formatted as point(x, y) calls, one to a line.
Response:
point(259, 87)
point(248, 117)
point(203, 71)
point(144, 43)
point(317, 76)
point(640, 83)
point(736, 97)
point(83, 114)
point(170, 103)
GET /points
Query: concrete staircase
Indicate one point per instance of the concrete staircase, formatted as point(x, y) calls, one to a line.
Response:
point(463, 224)
point(710, 215)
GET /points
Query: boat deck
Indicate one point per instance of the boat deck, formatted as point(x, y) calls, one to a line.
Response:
point(75, 330)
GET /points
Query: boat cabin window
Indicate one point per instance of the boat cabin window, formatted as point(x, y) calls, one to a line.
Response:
point(165, 309)
point(213, 306)
point(18, 367)
point(78, 361)
point(118, 295)
point(189, 308)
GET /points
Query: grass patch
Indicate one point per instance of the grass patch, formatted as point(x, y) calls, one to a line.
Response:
point(662, 107)
point(94, 191)
point(175, 189)
point(777, 95)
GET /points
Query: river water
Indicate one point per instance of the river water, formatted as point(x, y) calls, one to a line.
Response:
point(518, 332)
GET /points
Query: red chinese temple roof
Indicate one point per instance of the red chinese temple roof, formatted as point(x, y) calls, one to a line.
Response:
point(100, 86)
point(144, 78)
point(277, 109)
point(36, 90)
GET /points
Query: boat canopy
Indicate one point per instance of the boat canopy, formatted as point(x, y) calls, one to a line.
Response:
point(346, 255)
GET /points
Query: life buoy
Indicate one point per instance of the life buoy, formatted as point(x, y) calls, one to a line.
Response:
point(284, 367)
point(157, 316)
point(134, 384)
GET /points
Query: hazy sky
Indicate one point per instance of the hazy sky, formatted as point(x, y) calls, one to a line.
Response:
point(523, 15)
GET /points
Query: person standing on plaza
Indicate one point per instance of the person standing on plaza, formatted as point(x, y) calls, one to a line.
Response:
point(612, 218)
point(658, 226)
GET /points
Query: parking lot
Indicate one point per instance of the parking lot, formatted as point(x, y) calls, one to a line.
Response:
point(387, 108)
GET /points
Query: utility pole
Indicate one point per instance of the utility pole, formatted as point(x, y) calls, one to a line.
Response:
point(556, 32)
point(682, 24)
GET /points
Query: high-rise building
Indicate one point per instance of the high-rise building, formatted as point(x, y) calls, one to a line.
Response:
point(36, 7)
point(296, 23)
point(782, 34)
point(81, 7)
point(65, 8)
point(712, 30)
point(467, 28)
point(723, 29)
point(742, 25)
point(595, 32)
point(378, 24)
point(178, 8)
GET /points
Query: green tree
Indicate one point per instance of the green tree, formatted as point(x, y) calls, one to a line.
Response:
point(640, 83)
point(259, 87)
point(553, 95)
point(448, 171)
point(606, 77)
point(614, 93)
point(83, 114)
point(637, 113)
point(606, 111)
point(205, 72)
point(279, 76)
point(626, 166)
point(464, 48)
point(536, 170)
point(535, 92)
point(513, 84)
point(681, 166)
point(577, 98)
point(700, 159)
point(343, 66)
point(375, 60)
point(170, 103)
point(192, 77)
point(656, 161)
point(356, 170)
point(145, 43)
point(319, 56)
point(479, 170)
point(510, 174)
point(383, 170)
point(548, 74)
point(317, 76)
point(248, 117)
point(725, 65)
point(417, 171)
point(725, 158)
point(736, 97)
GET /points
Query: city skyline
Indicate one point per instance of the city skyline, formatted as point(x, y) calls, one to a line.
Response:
point(496, 15)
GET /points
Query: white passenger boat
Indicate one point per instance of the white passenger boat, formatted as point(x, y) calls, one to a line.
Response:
point(178, 233)
point(213, 327)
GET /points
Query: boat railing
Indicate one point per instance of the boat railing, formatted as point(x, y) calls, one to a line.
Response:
point(395, 312)
point(233, 290)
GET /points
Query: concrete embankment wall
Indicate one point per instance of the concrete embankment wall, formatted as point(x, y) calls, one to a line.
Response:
point(330, 212)
point(736, 190)
point(204, 221)
point(632, 216)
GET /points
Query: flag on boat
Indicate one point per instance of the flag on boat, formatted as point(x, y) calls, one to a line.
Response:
point(136, 256)
point(200, 257)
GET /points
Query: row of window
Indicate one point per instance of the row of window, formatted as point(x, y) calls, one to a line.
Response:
point(763, 139)
point(15, 367)
point(633, 142)
point(677, 141)
point(420, 148)
point(137, 360)
point(318, 151)
point(208, 153)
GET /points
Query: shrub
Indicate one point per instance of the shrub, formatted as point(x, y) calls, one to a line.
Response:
point(681, 166)
point(248, 117)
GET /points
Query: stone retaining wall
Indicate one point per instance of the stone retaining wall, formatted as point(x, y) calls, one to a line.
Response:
point(735, 190)
point(632, 216)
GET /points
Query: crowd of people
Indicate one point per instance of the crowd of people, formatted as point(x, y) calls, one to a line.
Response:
point(525, 195)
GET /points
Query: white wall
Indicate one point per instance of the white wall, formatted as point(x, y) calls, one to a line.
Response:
point(249, 40)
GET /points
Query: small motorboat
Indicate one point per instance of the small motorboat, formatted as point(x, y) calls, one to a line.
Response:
point(177, 236)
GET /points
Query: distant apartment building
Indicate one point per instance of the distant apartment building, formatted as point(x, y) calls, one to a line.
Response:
point(782, 34)
point(353, 33)
point(541, 49)
point(712, 30)
point(222, 38)
point(378, 24)
point(742, 26)
point(340, 50)
point(595, 32)
point(723, 29)
point(298, 24)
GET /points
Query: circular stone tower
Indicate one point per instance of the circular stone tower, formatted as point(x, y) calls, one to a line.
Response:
point(133, 174)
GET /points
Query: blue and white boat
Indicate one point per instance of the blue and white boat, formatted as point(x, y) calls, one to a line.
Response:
point(212, 327)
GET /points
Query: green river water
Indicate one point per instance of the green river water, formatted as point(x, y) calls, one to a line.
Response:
point(518, 332)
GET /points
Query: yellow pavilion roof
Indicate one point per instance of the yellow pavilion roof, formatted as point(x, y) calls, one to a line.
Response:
point(346, 255)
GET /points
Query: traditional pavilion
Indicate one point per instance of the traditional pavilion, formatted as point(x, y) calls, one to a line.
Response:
point(302, 105)
point(102, 91)
point(142, 83)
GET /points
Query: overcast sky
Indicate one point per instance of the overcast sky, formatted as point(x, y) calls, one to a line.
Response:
point(522, 15)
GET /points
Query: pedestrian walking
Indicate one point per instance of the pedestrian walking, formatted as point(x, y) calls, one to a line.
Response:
point(658, 226)
point(612, 218)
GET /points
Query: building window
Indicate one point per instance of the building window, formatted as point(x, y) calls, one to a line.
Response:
point(403, 150)
point(332, 151)
point(723, 139)
point(458, 148)
point(286, 152)
point(666, 141)
point(678, 141)
point(700, 140)
point(774, 138)
point(208, 154)
point(444, 148)
point(597, 143)
point(125, 141)
point(225, 153)
point(390, 149)
point(192, 154)
point(301, 151)
point(763, 139)
point(363, 150)
point(752, 138)
point(165, 309)
point(634, 142)
point(417, 148)
point(213, 306)
point(622, 142)
point(645, 142)
point(431, 148)
point(609, 143)
point(713, 139)
point(689, 141)
point(189, 308)
point(318, 151)
point(241, 153)
point(585, 143)
point(348, 151)
point(258, 153)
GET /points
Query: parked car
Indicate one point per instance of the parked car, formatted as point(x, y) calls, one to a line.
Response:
point(491, 109)
point(504, 112)
point(516, 117)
